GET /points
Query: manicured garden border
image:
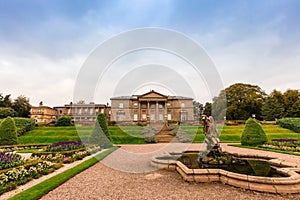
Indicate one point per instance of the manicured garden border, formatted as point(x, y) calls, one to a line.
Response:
point(266, 149)
point(44, 187)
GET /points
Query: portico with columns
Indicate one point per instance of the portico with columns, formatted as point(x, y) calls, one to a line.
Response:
point(151, 107)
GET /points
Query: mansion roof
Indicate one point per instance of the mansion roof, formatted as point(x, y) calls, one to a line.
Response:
point(152, 93)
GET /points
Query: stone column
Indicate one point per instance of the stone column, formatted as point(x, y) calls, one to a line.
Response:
point(139, 112)
point(148, 113)
point(156, 111)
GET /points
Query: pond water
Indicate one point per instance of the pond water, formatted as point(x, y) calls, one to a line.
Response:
point(243, 166)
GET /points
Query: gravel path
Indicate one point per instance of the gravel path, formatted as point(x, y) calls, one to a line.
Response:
point(110, 179)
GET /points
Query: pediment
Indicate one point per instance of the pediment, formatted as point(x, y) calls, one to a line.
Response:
point(153, 94)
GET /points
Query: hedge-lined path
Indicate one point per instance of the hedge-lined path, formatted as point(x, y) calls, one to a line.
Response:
point(103, 182)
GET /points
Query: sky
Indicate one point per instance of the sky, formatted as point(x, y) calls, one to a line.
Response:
point(45, 43)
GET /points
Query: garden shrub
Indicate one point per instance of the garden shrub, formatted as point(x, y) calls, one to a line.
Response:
point(8, 131)
point(100, 134)
point(5, 112)
point(64, 121)
point(21, 130)
point(149, 133)
point(25, 122)
point(183, 136)
point(112, 123)
point(290, 123)
point(253, 134)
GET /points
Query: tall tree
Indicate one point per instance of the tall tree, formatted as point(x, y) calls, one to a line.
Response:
point(207, 109)
point(22, 106)
point(219, 106)
point(273, 107)
point(5, 101)
point(198, 110)
point(243, 100)
point(290, 99)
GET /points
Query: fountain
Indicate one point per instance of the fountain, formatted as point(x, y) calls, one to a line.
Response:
point(257, 173)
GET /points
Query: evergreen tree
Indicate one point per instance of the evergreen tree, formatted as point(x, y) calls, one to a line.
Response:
point(100, 135)
point(8, 132)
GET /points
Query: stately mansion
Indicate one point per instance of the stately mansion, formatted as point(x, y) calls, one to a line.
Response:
point(84, 114)
point(151, 107)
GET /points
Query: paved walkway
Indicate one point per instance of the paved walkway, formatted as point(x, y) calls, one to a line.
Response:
point(127, 174)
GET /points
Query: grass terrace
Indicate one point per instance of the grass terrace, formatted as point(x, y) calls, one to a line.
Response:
point(132, 134)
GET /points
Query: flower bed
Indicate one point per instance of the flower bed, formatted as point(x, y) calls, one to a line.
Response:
point(14, 171)
point(33, 169)
point(283, 145)
point(66, 156)
point(10, 148)
point(9, 160)
point(65, 146)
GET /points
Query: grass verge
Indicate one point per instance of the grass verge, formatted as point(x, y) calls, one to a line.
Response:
point(266, 149)
point(44, 187)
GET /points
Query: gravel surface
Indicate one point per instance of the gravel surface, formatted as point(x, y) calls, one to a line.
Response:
point(103, 181)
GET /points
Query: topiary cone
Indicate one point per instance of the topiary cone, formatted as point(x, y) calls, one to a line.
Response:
point(253, 134)
point(8, 131)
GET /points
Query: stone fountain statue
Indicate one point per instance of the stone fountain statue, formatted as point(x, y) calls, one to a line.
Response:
point(212, 139)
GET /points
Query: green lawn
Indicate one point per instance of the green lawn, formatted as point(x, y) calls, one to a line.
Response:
point(47, 135)
point(132, 134)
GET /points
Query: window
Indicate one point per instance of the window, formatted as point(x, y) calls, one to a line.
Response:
point(182, 105)
point(144, 117)
point(168, 104)
point(183, 117)
point(161, 117)
point(135, 117)
point(121, 105)
point(135, 105)
point(152, 117)
point(169, 117)
point(152, 105)
point(120, 116)
point(144, 105)
point(160, 106)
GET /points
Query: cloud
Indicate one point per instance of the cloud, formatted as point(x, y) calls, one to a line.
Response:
point(44, 43)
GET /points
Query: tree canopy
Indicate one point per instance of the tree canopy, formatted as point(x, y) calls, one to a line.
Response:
point(22, 106)
point(242, 101)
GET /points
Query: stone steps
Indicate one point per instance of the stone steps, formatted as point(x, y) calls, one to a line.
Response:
point(166, 138)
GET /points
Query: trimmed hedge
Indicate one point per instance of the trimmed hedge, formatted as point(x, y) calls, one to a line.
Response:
point(253, 134)
point(5, 112)
point(8, 131)
point(100, 135)
point(64, 121)
point(26, 123)
point(290, 123)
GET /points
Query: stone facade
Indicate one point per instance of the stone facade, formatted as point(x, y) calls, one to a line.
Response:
point(84, 114)
point(151, 107)
point(43, 113)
